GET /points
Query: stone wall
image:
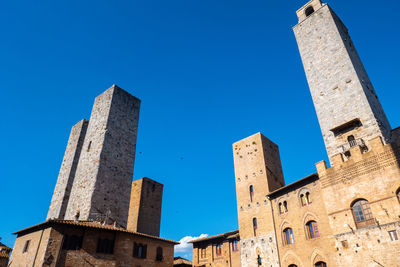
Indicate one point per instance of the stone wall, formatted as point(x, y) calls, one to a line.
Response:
point(102, 185)
point(62, 191)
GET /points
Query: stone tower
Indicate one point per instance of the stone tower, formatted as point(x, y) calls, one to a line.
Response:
point(258, 171)
point(101, 183)
point(347, 106)
point(61, 194)
point(145, 207)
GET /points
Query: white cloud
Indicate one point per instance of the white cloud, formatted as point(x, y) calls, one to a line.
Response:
point(184, 246)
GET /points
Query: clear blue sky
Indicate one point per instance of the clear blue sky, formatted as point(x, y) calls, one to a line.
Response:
point(208, 72)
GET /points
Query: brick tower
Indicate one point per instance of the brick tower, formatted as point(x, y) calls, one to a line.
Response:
point(258, 171)
point(347, 106)
point(101, 183)
point(145, 207)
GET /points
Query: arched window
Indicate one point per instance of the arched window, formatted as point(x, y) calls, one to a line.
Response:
point(259, 260)
point(292, 265)
point(362, 213)
point(398, 194)
point(251, 189)
point(309, 10)
point(351, 140)
point(288, 237)
point(255, 226)
point(159, 255)
point(281, 208)
point(305, 199)
point(285, 208)
point(312, 229)
point(320, 264)
point(218, 250)
point(308, 198)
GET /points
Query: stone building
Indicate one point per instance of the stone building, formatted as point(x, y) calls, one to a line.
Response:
point(182, 262)
point(343, 215)
point(4, 255)
point(217, 251)
point(97, 215)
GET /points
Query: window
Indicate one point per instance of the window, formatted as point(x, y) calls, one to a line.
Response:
point(26, 246)
point(288, 236)
point(159, 256)
point(218, 250)
point(285, 208)
point(362, 213)
point(105, 246)
point(203, 253)
point(312, 230)
point(259, 260)
point(139, 250)
point(255, 226)
point(398, 194)
point(309, 10)
point(393, 235)
point(281, 208)
point(72, 242)
point(251, 193)
point(292, 265)
point(352, 141)
point(235, 245)
point(320, 264)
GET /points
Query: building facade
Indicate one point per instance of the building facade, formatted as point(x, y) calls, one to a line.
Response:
point(4, 255)
point(347, 214)
point(97, 215)
point(217, 251)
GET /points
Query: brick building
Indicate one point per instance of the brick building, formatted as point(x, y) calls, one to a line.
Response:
point(97, 215)
point(343, 215)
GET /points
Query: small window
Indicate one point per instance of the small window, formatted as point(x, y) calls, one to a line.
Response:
point(159, 256)
point(72, 242)
point(362, 213)
point(393, 235)
point(292, 265)
point(105, 246)
point(218, 250)
point(259, 261)
point(312, 230)
point(288, 237)
point(235, 245)
point(203, 253)
point(281, 211)
point(320, 264)
point(251, 189)
point(285, 206)
point(255, 226)
point(309, 11)
point(398, 194)
point(139, 250)
point(26, 246)
point(352, 141)
point(89, 145)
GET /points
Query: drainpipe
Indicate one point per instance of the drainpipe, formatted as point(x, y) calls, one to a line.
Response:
point(37, 250)
point(273, 222)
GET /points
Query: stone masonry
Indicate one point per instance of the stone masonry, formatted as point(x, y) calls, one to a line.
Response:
point(102, 184)
point(59, 202)
point(344, 98)
point(257, 166)
point(145, 207)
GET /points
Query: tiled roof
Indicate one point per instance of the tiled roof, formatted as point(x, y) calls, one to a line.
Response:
point(231, 234)
point(90, 224)
point(3, 254)
point(179, 260)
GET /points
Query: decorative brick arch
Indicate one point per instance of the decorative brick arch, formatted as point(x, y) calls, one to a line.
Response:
point(317, 256)
point(291, 258)
point(285, 224)
point(309, 216)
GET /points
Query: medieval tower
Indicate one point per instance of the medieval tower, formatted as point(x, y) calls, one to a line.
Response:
point(347, 106)
point(96, 174)
point(258, 171)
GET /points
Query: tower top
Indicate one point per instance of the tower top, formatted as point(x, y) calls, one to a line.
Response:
point(308, 9)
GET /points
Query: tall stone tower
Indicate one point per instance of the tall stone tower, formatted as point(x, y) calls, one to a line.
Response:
point(347, 106)
point(62, 192)
point(101, 184)
point(145, 207)
point(258, 171)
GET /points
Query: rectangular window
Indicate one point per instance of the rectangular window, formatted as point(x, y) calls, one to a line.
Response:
point(235, 245)
point(203, 253)
point(218, 250)
point(139, 251)
point(72, 242)
point(105, 246)
point(393, 235)
point(26, 246)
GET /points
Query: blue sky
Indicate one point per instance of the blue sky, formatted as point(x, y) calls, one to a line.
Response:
point(208, 72)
